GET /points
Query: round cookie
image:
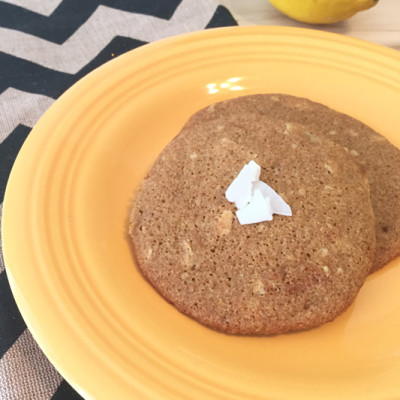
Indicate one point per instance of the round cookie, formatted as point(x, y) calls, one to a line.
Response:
point(288, 274)
point(379, 157)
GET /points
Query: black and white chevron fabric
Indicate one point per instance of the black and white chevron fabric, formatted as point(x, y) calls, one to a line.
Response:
point(46, 46)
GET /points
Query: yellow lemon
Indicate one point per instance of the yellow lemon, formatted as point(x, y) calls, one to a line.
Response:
point(321, 11)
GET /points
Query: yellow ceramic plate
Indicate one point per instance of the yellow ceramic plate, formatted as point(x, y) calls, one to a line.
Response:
point(66, 211)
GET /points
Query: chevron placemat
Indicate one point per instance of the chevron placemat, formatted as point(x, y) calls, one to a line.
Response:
point(45, 47)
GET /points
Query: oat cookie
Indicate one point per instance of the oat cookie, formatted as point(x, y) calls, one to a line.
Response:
point(379, 157)
point(288, 274)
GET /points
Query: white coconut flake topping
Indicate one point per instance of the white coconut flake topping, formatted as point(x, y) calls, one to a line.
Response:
point(257, 210)
point(255, 200)
point(278, 205)
point(240, 190)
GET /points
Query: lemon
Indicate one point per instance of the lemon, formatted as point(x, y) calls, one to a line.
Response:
point(321, 11)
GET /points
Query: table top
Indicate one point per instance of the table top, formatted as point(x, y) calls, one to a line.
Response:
point(380, 24)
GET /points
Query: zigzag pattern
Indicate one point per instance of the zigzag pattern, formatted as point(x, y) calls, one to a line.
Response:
point(9, 149)
point(52, 83)
point(12, 323)
point(86, 42)
point(15, 377)
point(40, 7)
point(45, 47)
point(54, 28)
point(26, 108)
point(48, 82)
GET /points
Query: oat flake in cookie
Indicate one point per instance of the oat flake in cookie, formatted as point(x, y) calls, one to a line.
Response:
point(288, 274)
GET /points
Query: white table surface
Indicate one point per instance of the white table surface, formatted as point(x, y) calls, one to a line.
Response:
point(380, 24)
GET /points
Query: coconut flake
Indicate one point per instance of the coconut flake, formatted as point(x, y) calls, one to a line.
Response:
point(257, 210)
point(278, 205)
point(240, 190)
point(255, 200)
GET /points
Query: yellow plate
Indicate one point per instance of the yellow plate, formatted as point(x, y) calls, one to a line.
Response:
point(66, 211)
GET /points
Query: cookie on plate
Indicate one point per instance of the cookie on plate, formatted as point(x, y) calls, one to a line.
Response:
point(288, 274)
point(379, 157)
